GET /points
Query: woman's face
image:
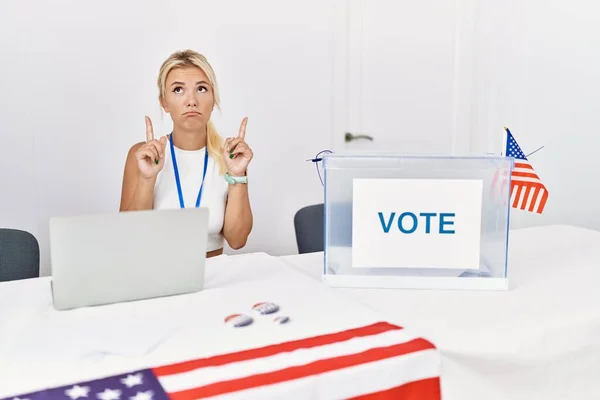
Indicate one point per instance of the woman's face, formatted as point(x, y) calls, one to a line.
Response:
point(188, 98)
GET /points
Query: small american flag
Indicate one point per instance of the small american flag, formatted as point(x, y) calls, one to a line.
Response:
point(527, 191)
point(378, 361)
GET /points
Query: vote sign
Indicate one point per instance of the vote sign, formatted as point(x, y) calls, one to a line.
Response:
point(416, 223)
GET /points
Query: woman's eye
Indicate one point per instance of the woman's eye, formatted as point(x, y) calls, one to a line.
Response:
point(202, 89)
point(178, 89)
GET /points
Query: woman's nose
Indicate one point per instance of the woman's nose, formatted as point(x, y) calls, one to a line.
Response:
point(191, 101)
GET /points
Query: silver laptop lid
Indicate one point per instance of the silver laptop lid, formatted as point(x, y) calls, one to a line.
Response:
point(114, 257)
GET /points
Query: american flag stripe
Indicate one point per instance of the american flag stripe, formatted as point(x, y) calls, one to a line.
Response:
point(301, 357)
point(266, 351)
point(533, 198)
point(525, 177)
point(538, 202)
point(311, 370)
point(343, 359)
point(364, 381)
point(366, 372)
point(523, 170)
point(425, 389)
point(527, 191)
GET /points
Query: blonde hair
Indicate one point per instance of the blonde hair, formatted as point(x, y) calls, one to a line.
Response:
point(190, 58)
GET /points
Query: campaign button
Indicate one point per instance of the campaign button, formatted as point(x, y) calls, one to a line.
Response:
point(281, 320)
point(238, 320)
point(265, 308)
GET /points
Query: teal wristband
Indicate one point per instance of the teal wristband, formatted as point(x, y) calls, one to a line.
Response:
point(235, 179)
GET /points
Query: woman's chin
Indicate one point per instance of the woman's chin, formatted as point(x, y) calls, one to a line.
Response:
point(192, 124)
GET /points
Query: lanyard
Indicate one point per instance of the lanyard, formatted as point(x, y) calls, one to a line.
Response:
point(181, 203)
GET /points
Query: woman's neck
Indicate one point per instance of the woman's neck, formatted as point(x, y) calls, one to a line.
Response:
point(189, 140)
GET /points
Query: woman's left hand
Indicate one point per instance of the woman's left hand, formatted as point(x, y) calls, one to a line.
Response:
point(236, 152)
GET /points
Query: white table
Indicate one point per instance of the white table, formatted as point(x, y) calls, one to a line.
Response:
point(43, 348)
point(539, 340)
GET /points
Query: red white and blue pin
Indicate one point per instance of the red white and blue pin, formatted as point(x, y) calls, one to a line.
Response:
point(265, 308)
point(281, 320)
point(238, 320)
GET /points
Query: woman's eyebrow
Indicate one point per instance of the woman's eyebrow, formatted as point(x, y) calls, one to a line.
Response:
point(183, 84)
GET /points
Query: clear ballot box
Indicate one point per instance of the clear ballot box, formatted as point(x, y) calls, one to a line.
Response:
point(416, 222)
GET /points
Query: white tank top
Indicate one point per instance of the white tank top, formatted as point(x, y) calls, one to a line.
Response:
point(190, 165)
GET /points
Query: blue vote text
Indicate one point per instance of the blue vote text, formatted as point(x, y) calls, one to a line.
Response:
point(409, 222)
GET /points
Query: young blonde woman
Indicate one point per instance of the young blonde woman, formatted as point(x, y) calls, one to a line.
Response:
point(193, 166)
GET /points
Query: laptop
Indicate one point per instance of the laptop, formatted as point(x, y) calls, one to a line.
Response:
point(116, 257)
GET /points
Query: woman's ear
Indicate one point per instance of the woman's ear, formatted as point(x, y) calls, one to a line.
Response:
point(163, 104)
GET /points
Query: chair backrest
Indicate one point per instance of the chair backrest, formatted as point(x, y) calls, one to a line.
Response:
point(19, 255)
point(308, 223)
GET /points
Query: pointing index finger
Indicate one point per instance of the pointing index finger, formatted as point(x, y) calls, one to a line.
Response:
point(149, 130)
point(242, 133)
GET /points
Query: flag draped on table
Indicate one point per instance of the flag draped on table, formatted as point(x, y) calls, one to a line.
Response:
point(527, 192)
point(378, 361)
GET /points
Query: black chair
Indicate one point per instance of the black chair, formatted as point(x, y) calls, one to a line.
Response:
point(19, 255)
point(308, 223)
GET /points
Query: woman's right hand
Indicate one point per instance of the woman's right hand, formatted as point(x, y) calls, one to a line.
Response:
point(151, 155)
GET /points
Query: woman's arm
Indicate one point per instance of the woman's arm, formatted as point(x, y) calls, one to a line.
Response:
point(137, 192)
point(144, 161)
point(237, 224)
point(238, 216)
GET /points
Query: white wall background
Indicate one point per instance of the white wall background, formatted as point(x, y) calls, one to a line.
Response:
point(79, 76)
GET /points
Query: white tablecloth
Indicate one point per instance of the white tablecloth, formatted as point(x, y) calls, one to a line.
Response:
point(539, 340)
point(43, 348)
